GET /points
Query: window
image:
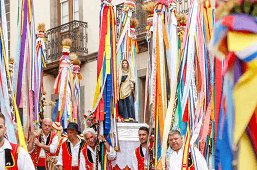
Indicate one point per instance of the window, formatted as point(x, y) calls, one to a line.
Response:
point(75, 9)
point(68, 11)
point(64, 11)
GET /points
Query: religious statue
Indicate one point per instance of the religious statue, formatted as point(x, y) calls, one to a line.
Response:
point(126, 91)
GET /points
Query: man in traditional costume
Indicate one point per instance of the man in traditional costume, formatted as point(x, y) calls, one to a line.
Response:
point(176, 154)
point(69, 156)
point(12, 156)
point(88, 154)
point(138, 158)
point(43, 146)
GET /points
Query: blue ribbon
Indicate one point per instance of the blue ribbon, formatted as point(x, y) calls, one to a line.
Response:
point(55, 110)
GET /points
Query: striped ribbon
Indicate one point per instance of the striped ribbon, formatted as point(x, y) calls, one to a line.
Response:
point(105, 99)
point(186, 150)
point(4, 96)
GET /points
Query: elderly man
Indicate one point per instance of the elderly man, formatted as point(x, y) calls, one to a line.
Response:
point(138, 158)
point(176, 154)
point(43, 146)
point(88, 155)
point(12, 155)
point(69, 155)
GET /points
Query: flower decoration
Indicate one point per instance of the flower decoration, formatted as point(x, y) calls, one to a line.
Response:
point(119, 119)
point(90, 119)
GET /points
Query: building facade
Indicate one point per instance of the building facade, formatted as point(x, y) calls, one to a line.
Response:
point(79, 20)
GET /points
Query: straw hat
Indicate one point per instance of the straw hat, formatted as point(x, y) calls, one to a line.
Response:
point(57, 126)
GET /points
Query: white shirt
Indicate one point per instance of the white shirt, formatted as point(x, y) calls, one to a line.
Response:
point(74, 153)
point(24, 161)
point(53, 145)
point(134, 160)
point(176, 160)
point(110, 156)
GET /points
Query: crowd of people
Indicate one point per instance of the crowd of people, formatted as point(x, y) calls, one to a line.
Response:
point(48, 149)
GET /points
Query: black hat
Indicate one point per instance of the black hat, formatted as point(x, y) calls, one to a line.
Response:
point(73, 126)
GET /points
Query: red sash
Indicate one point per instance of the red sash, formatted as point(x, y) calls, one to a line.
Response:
point(41, 162)
point(75, 167)
point(89, 165)
point(14, 152)
point(140, 159)
point(33, 154)
point(66, 154)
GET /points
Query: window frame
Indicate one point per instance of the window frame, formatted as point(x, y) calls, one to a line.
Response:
point(71, 9)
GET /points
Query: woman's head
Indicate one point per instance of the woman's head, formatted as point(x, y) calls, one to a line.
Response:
point(125, 64)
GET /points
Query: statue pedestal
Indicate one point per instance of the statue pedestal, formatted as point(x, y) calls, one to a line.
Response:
point(128, 141)
point(129, 131)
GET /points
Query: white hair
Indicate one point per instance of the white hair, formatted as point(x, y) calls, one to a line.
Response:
point(86, 131)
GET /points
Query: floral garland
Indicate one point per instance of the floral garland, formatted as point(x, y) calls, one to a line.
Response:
point(90, 120)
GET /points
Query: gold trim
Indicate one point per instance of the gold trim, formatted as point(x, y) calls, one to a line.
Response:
point(67, 148)
point(126, 95)
point(18, 150)
point(86, 157)
point(132, 119)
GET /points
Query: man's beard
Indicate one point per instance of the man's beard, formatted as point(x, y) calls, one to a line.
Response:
point(91, 144)
point(144, 142)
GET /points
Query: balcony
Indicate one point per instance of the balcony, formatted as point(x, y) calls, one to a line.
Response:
point(77, 32)
point(141, 16)
point(182, 7)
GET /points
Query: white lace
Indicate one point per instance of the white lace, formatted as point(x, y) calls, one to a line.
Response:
point(124, 157)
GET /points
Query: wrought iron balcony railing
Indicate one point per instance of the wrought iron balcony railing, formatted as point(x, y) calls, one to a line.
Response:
point(182, 7)
point(75, 30)
point(139, 14)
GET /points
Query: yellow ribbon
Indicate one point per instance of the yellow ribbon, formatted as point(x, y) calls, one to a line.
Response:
point(20, 131)
point(245, 96)
point(246, 156)
point(238, 41)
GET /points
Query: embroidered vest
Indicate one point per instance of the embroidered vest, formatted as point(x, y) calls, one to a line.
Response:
point(89, 160)
point(190, 162)
point(48, 142)
point(67, 156)
point(89, 164)
point(11, 157)
point(140, 158)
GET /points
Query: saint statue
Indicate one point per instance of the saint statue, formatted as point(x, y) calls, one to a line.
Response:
point(126, 91)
